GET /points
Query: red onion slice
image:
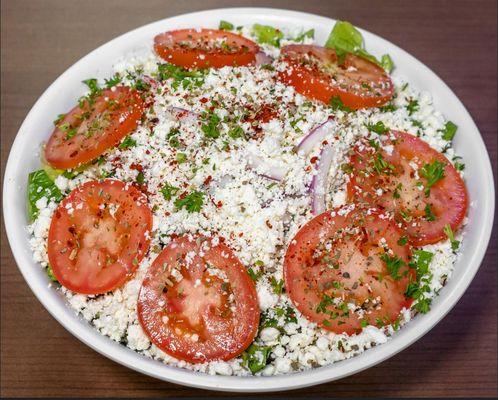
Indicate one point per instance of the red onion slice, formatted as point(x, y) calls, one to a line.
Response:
point(319, 182)
point(262, 58)
point(182, 114)
point(316, 136)
point(261, 167)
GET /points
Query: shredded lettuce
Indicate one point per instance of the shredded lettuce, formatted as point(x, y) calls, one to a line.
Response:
point(226, 26)
point(256, 357)
point(307, 34)
point(345, 38)
point(40, 185)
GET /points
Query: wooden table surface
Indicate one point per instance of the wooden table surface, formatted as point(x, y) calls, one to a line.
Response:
point(40, 39)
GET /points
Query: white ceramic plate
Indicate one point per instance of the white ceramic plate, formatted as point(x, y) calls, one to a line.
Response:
point(63, 93)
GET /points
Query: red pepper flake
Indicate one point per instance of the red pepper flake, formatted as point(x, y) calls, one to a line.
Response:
point(219, 204)
point(313, 160)
point(136, 167)
point(208, 180)
point(268, 224)
point(241, 234)
point(308, 168)
point(203, 100)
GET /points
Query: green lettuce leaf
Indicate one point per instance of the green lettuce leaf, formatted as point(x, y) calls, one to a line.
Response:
point(345, 38)
point(40, 185)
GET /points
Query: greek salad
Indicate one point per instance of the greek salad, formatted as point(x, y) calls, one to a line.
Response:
point(245, 201)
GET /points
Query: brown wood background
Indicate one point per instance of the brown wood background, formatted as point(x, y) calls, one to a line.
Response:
point(40, 39)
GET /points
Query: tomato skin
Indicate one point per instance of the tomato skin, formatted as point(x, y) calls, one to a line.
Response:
point(170, 46)
point(83, 236)
point(197, 306)
point(118, 112)
point(448, 199)
point(306, 274)
point(314, 82)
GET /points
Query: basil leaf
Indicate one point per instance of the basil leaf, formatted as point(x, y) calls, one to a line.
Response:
point(266, 34)
point(40, 185)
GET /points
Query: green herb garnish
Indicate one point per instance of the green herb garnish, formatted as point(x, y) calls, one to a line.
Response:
point(455, 244)
point(433, 173)
point(191, 202)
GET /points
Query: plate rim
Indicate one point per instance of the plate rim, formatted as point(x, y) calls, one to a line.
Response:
point(135, 361)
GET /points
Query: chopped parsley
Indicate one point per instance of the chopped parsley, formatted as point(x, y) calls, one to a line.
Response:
point(236, 132)
point(254, 275)
point(337, 104)
point(397, 189)
point(433, 173)
point(429, 215)
point(115, 80)
point(180, 76)
point(393, 265)
point(379, 128)
point(181, 158)
point(140, 178)
point(455, 244)
point(210, 127)
point(381, 166)
point(388, 107)
point(191, 202)
point(402, 240)
point(457, 164)
point(277, 285)
point(168, 191)
point(412, 106)
point(127, 142)
point(417, 290)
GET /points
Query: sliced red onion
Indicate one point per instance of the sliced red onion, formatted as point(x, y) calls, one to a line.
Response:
point(261, 167)
point(262, 58)
point(319, 182)
point(316, 136)
point(183, 114)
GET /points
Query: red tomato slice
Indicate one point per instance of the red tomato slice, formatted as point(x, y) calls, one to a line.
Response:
point(197, 301)
point(98, 236)
point(88, 131)
point(315, 72)
point(205, 48)
point(336, 259)
point(403, 188)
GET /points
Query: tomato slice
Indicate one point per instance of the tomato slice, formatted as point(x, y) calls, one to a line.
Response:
point(197, 301)
point(317, 73)
point(402, 187)
point(205, 48)
point(336, 271)
point(98, 236)
point(90, 129)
